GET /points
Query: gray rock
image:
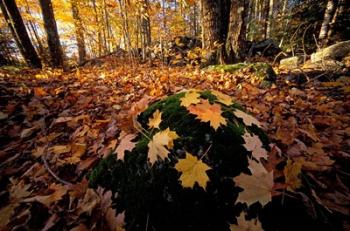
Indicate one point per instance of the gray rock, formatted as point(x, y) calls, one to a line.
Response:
point(335, 52)
point(291, 63)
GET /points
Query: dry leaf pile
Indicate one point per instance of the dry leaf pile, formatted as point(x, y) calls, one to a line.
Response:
point(56, 126)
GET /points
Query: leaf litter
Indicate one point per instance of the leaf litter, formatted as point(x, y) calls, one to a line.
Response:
point(73, 118)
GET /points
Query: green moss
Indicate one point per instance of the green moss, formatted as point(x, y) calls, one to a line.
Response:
point(231, 68)
point(154, 194)
point(263, 73)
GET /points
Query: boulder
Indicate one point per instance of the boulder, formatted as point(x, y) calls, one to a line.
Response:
point(263, 73)
point(335, 52)
point(291, 62)
point(181, 175)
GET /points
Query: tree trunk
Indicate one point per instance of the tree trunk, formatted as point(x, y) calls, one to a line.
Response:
point(236, 38)
point(52, 33)
point(19, 32)
point(145, 27)
point(328, 15)
point(79, 31)
point(215, 16)
point(270, 19)
point(99, 34)
point(125, 24)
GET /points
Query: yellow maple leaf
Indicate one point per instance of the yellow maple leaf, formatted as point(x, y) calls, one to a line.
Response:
point(292, 173)
point(191, 97)
point(155, 120)
point(222, 98)
point(207, 112)
point(246, 225)
point(247, 119)
point(157, 147)
point(256, 187)
point(254, 145)
point(193, 170)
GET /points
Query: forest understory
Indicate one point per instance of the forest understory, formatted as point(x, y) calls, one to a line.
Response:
point(56, 126)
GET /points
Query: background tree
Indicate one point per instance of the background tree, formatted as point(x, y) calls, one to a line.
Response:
point(52, 33)
point(79, 30)
point(19, 32)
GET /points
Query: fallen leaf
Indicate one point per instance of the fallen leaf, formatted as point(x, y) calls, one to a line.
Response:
point(125, 144)
point(78, 150)
point(256, 187)
point(47, 200)
point(39, 92)
point(192, 170)
point(60, 149)
point(254, 145)
point(222, 98)
point(157, 147)
point(246, 225)
point(191, 97)
point(292, 173)
point(248, 120)
point(156, 119)
point(89, 202)
point(207, 112)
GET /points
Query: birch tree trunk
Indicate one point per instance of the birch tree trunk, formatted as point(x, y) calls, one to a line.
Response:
point(328, 15)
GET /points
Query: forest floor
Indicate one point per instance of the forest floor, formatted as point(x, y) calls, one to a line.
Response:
point(55, 126)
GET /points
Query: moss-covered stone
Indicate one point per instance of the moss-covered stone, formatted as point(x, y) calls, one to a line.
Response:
point(263, 73)
point(153, 196)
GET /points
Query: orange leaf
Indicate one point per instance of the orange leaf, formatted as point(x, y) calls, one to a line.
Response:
point(207, 112)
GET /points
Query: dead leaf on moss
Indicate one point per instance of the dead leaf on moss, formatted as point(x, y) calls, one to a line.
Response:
point(246, 225)
point(191, 97)
point(207, 112)
point(125, 144)
point(248, 120)
point(256, 187)
point(192, 170)
point(156, 119)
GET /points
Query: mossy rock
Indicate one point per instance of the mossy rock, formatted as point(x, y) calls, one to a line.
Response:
point(263, 72)
point(154, 195)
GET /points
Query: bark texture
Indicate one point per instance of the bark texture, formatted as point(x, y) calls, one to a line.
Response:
point(328, 15)
point(19, 32)
point(52, 33)
point(79, 31)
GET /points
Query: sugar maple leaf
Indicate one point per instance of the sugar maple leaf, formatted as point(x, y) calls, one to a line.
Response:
point(192, 170)
point(125, 144)
point(191, 97)
point(207, 112)
point(222, 98)
point(292, 173)
point(254, 145)
point(246, 225)
point(156, 119)
point(247, 119)
point(256, 187)
point(157, 147)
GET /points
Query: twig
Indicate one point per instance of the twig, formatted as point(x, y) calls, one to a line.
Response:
point(52, 173)
point(43, 157)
